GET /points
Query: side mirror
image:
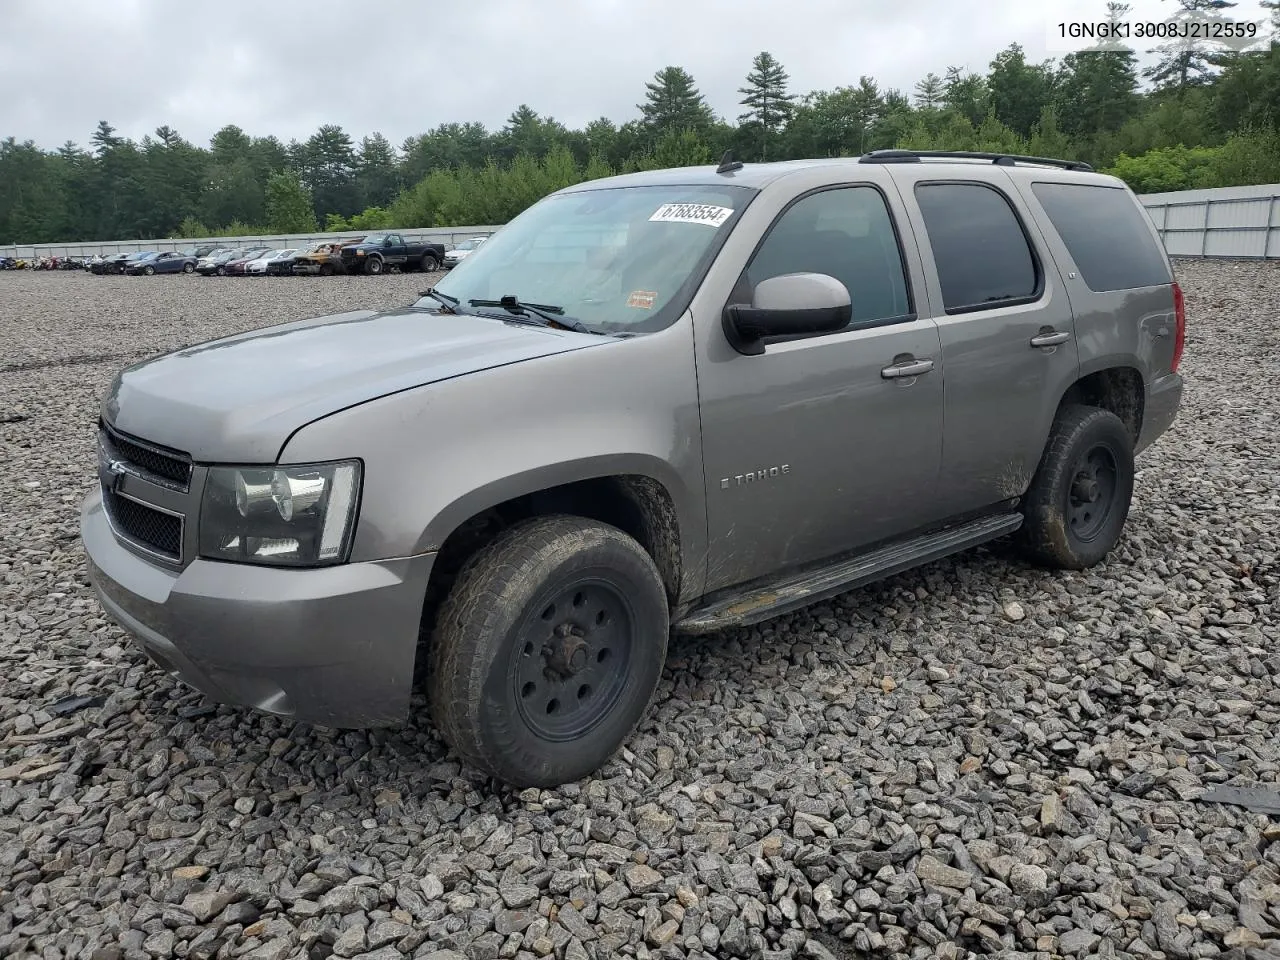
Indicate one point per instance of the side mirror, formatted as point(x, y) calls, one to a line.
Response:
point(792, 305)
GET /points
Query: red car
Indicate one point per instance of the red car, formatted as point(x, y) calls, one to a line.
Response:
point(235, 268)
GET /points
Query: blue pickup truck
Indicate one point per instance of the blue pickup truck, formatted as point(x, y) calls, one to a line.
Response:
point(379, 251)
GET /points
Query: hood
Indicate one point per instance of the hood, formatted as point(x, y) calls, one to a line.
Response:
point(238, 399)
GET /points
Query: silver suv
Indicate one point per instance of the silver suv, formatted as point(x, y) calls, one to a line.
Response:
point(684, 399)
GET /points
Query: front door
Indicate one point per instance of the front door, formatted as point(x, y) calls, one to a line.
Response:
point(1008, 337)
point(817, 446)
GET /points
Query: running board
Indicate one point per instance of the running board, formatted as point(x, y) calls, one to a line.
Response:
point(796, 590)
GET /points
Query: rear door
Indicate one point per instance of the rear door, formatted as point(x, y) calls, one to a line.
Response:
point(1115, 269)
point(1005, 322)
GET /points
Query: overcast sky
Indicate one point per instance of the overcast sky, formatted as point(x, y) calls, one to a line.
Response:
point(401, 67)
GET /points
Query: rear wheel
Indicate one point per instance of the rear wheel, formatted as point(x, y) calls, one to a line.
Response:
point(429, 263)
point(1079, 499)
point(548, 650)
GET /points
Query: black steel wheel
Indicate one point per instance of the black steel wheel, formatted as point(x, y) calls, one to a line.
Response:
point(548, 650)
point(1076, 509)
point(569, 673)
point(373, 265)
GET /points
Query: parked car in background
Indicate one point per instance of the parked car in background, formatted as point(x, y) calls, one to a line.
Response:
point(237, 266)
point(125, 265)
point(215, 261)
point(167, 262)
point(112, 263)
point(282, 266)
point(379, 251)
point(323, 259)
point(461, 251)
point(258, 267)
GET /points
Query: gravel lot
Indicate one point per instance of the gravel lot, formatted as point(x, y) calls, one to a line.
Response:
point(975, 758)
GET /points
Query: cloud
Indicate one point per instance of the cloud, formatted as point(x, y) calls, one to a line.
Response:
point(404, 66)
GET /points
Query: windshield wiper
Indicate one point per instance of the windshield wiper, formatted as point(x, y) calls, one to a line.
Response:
point(548, 315)
point(449, 302)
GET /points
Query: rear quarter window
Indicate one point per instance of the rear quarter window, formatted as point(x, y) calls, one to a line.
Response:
point(1107, 235)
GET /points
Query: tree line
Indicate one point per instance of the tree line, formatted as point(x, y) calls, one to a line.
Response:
point(1198, 117)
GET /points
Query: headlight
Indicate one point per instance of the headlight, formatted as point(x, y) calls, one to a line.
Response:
point(292, 516)
point(359, 253)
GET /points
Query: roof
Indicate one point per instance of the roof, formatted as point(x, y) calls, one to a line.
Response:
point(760, 175)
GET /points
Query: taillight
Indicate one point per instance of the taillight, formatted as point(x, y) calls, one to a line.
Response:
point(1180, 332)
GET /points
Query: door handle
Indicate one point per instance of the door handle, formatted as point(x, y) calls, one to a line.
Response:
point(1051, 339)
point(908, 368)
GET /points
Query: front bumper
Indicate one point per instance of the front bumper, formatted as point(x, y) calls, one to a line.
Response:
point(1164, 398)
point(333, 646)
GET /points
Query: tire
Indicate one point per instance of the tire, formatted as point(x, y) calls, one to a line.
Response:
point(1089, 454)
point(149, 271)
point(429, 263)
point(326, 270)
point(188, 268)
point(222, 271)
point(373, 266)
point(593, 600)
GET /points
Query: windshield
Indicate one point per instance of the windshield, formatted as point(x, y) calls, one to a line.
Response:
point(466, 245)
point(374, 238)
point(616, 258)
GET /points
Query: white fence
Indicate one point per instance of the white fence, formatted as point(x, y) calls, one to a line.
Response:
point(449, 236)
point(1240, 223)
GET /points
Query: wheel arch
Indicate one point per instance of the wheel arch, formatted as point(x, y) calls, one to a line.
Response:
point(637, 503)
point(1119, 389)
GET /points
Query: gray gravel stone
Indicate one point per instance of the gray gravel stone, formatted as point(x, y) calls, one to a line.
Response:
point(973, 758)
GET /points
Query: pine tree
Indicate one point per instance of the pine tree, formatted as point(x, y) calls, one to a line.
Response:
point(1097, 90)
point(1188, 62)
point(766, 97)
point(930, 92)
point(673, 103)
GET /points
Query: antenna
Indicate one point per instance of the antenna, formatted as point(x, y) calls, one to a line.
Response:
point(728, 164)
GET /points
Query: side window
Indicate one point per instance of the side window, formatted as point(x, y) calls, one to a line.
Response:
point(845, 233)
point(1105, 233)
point(981, 251)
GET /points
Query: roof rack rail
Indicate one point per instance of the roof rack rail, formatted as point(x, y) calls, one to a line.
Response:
point(1003, 159)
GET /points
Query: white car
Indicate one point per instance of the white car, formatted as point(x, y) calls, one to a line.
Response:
point(459, 253)
point(258, 268)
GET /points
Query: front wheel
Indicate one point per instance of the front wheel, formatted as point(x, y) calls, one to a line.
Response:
point(548, 650)
point(188, 268)
point(429, 263)
point(222, 271)
point(373, 265)
point(149, 271)
point(1079, 499)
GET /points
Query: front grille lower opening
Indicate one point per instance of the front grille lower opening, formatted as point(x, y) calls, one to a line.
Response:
point(157, 531)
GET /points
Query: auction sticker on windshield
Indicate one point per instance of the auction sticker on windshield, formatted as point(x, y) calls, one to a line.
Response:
point(703, 213)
